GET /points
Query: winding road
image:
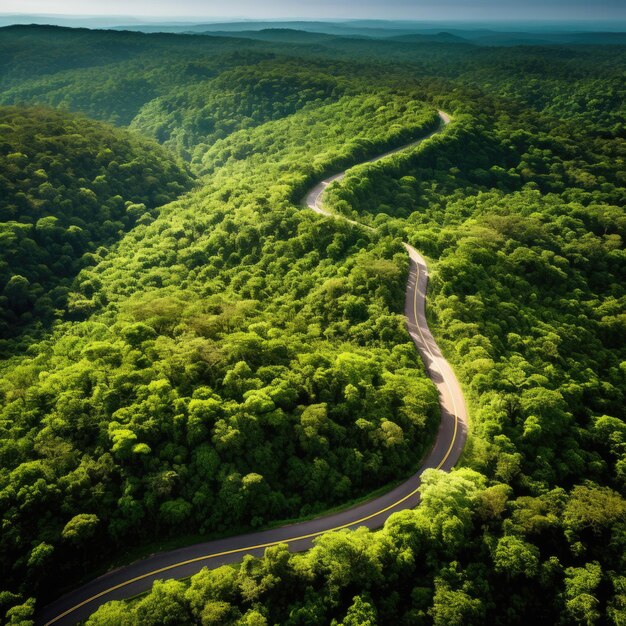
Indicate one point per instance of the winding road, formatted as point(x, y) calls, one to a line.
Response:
point(138, 577)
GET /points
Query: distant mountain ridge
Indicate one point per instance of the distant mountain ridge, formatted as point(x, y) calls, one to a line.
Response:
point(511, 34)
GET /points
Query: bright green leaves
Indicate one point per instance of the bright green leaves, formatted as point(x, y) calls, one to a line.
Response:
point(516, 557)
point(360, 613)
point(455, 607)
point(581, 603)
point(346, 558)
point(238, 380)
point(123, 440)
point(81, 528)
point(593, 510)
point(446, 506)
point(39, 555)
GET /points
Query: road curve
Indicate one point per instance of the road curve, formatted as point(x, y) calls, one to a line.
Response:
point(138, 577)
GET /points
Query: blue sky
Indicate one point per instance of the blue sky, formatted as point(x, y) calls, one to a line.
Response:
point(448, 10)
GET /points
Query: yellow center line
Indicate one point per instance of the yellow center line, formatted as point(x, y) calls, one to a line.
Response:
point(300, 537)
point(445, 379)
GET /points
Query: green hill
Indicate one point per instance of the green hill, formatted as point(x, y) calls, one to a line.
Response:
point(69, 188)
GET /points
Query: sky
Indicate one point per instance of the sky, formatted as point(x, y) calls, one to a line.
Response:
point(433, 10)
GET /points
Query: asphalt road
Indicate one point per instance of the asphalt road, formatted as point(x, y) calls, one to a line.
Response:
point(137, 577)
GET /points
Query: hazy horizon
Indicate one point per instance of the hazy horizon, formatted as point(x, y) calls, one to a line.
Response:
point(456, 11)
point(134, 21)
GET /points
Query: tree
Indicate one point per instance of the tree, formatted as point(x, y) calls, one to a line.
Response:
point(515, 557)
point(175, 512)
point(581, 605)
point(360, 613)
point(21, 614)
point(592, 508)
point(112, 614)
point(81, 528)
point(454, 607)
point(165, 606)
point(215, 613)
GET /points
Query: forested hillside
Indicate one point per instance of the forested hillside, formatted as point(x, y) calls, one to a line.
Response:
point(212, 386)
point(191, 118)
point(69, 187)
point(234, 360)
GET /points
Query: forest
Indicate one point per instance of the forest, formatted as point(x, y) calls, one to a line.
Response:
point(69, 187)
point(186, 352)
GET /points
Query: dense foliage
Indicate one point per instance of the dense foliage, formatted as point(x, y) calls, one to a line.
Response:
point(234, 360)
point(239, 360)
point(69, 187)
point(191, 118)
point(446, 563)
